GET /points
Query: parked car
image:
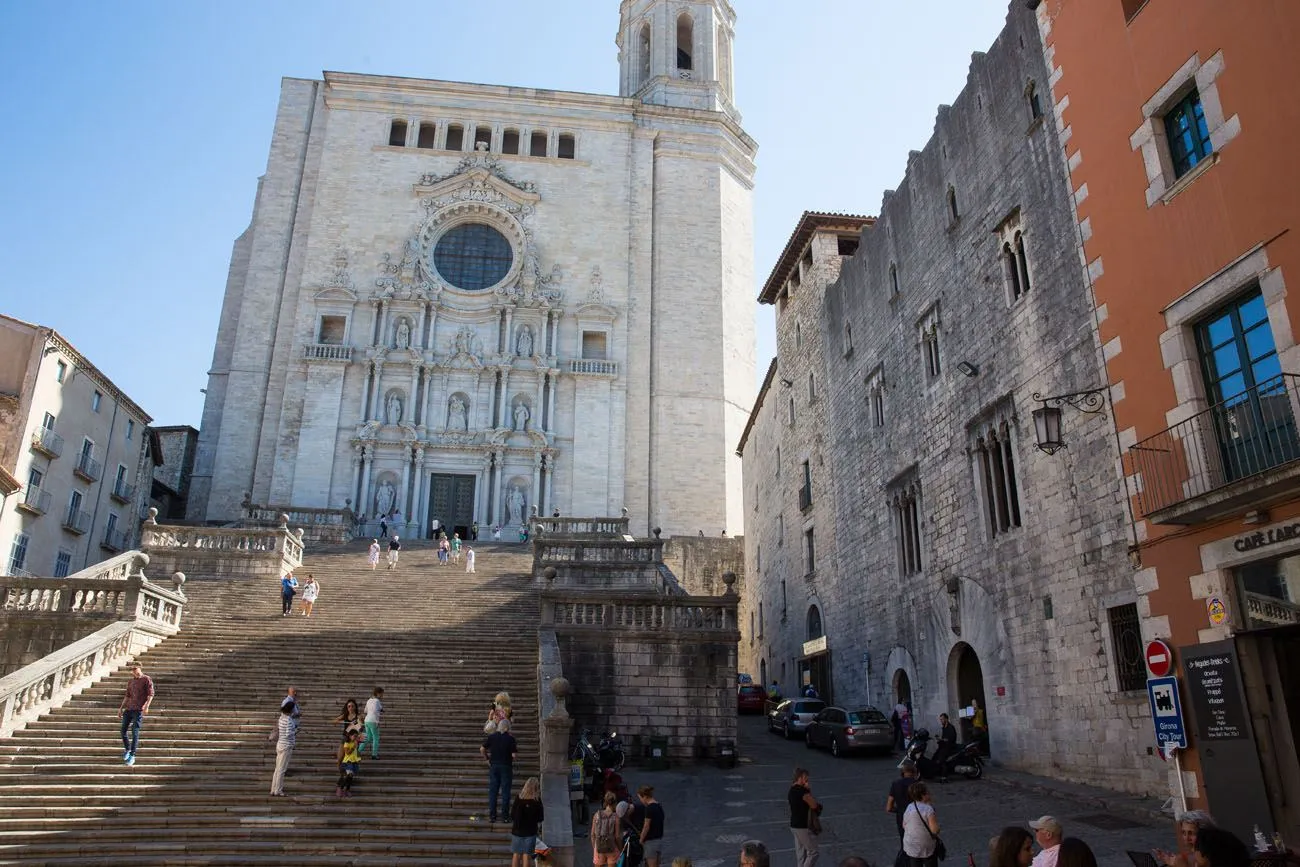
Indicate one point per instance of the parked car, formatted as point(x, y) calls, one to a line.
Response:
point(750, 698)
point(741, 677)
point(791, 716)
point(845, 731)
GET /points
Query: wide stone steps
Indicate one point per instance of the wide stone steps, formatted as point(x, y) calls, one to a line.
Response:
point(441, 642)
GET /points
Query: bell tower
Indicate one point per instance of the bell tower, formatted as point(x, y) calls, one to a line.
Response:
point(678, 54)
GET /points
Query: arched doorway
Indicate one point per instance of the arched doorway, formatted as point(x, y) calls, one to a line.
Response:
point(815, 664)
point(902, 688)
point(762, 673)
point(903, 707)
point(966, 689)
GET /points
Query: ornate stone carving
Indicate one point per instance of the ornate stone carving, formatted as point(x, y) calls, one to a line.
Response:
point(522, 414)
point(340, 279)
point(393, 408)
point(457, 414)
point(402, 336)
point(385, 497)
point(524, 341)
point(478, 160)
point(515, 505)
point(596, 294)
point(466, 348)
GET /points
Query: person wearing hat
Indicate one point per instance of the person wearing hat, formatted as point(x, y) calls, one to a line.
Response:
point(1048, 833)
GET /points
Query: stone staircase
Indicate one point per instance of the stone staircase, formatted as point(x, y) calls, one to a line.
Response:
point(439, 641)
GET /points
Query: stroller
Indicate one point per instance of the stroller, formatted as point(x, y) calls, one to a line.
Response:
point(632, 851)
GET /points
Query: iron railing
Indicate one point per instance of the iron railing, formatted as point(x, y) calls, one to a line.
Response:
point(1243, 436)
point(122, 491)
point(35, 500)
point(47, 441)
point(88, 468)
point(76, 521)
point(114, 540)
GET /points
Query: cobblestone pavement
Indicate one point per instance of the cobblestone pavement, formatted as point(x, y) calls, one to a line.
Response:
point(711, 811)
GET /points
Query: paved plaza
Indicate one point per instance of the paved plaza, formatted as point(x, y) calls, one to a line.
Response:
point(711, 811)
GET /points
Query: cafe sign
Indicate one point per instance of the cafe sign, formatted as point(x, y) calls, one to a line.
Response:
point(817, 645)
point(1265, 538)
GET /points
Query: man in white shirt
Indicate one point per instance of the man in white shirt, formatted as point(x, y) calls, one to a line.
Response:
point(285, 736)
point(1048, 833)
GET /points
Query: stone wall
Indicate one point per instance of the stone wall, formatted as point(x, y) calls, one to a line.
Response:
point(699, 562)
point(26, 638)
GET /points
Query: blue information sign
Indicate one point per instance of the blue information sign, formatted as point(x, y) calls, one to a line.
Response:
point(1167, 712)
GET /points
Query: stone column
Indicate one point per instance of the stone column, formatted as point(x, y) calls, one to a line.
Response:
point(432, 342)
point(509, 350)
point(376, 405)
point(378, 307)
point(497, 484)
point(381, 339)
point(538, 402)
point(550, 482)
point(404, 502)
point(357, 452)
point(535, 493)
point(435, 404)
point(481, 492)
point(419, 513)
point(410, 395)
point(502, 402)
point(555, 332)
point(417, 333)
point(367, 468)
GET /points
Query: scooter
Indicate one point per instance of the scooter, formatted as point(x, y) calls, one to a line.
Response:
point(966, 760)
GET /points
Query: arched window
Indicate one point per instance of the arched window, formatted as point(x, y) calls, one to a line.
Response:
point(643, 52)
point(427, 135)
point(455, 137)
point(397, 134)
point(537, 144)
point(893, 280)
point(483, 136)
point(952, 205)
point(685, 41)
point(1035, 101)
point(510, 141)
point(1011, 272)
point(814, 622)
point(1022, 262)
point(798, 337)
point(566, 147)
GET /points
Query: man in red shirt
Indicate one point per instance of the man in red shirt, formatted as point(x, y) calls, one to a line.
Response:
point(135, 704)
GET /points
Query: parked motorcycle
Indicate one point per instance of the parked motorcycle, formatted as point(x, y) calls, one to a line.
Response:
point(965, 760)
point(601, 762)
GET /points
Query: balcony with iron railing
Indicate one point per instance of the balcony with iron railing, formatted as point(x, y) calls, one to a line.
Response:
point(1240, 454)
point(122, 491)
point(76, 521)
point(114, 540)
point(88, 468)
point(34, 500)
point(47, 442)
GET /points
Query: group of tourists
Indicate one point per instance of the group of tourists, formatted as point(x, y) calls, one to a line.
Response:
point(449, 551)
point(357, 733)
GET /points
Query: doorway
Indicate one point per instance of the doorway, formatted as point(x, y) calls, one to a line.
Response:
point(815, 671)
point(451, 502)
point(966, 690)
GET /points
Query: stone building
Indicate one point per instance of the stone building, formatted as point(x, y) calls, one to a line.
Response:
point(467, 302)
point(77, 444)
point(1181, 164)
point(974, 567)
point(173, 448)
point(791, 540)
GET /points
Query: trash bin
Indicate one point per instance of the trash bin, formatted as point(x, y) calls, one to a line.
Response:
point(726, 753)
point(658, 753)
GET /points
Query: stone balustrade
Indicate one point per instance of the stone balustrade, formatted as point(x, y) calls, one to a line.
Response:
point(222, 550)
point(673, 614)
point(617, 552)
point(327, 352)
point(563, 526)
point(328, 526)
point(144, 613)
point(592, 367)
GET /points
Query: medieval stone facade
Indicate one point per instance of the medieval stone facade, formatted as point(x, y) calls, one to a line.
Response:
point(468, 302)
point(972, 567)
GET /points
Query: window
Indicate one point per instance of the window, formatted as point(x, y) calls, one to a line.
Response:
point(47, 423)
point(483, 136)
point(812, 388)
point(930, 345)
point(95, 400)
point(60, 371)
point(760, 618)
point(130, 429)
point(1188, 134)
point(333, 330)
point(876, 397)
point(34, 478)
point(953, 213)
point(893, 281)
point(75, 519)
point(907, 528)
point(510, 141)
point(1253, 420)
point(997, 476)
point(846, 246)
point(537, 144)
point(813, 623)
point(848, 340)
point(566, 148)
point(455, 137)
point(62, 564)
point(87, 449)
point(805, 491)
point(798, 337)
point(119, 480)
point(473, 256)
point(643, 50)
point(1126, 645)
point(790, 419)
point(685, 41)
point(783, 607)
point(806, 263)
point(780, 530)
point(397, 134)
point(778, 460)
point(1022, 262)
point(1035, 102)
point(18, 554)
point(427, 136)
point(594, 345)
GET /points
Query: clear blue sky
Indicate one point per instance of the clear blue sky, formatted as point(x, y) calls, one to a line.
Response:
point(132, 134)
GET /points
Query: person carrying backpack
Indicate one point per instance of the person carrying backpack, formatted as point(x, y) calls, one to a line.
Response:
point(604, 834)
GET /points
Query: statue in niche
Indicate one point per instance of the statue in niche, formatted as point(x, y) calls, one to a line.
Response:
point(524, 345)
point(457, 414)
point(522, 415)
point(412, 250)
point(515, 505)
point(403, 334)
point(393, 409)
point(531, 267)
point(385, 497)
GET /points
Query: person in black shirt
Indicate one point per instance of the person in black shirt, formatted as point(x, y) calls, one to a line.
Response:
point(652, 829)
point(802, 805)
point(947, 745)
point(500, 750)
point(526, 815)
point(898, 798)
point(394, 551)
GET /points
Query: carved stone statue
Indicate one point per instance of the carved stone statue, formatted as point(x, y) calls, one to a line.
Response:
point(385, 497)
point(524, 345)
point(393, 409)
point(515, 505)
point(403, 335)
point(522, 415)
point(457, 414)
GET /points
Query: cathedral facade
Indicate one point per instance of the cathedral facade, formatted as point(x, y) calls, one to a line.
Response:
point(468, 302)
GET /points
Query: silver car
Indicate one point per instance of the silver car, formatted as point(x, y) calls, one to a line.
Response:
point(845, 731)
point(792, 716)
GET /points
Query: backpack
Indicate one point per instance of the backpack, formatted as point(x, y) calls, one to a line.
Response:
point(606, 824)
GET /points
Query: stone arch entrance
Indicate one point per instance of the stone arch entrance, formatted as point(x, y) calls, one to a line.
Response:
point(902, 688)
point(966, 689)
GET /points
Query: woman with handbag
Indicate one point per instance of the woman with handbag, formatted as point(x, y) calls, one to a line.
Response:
point(921, 841)
point(805, 819)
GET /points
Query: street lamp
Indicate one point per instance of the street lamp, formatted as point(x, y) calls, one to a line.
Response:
point(1047, 418)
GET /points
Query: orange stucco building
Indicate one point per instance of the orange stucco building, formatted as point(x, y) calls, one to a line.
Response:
point(1181, 121)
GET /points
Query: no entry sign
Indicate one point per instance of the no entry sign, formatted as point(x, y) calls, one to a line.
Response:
point(1160, 659)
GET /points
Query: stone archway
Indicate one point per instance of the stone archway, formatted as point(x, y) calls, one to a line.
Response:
point(965, 686)
point(902, 688)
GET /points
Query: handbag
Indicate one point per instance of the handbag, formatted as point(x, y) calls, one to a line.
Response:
point(940, 850)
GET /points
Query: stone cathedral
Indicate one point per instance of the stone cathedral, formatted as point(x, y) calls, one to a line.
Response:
point(472, 302)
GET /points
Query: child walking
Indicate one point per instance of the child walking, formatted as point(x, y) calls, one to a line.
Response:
point(374, 712)
point(349, 758)
point(469, 559)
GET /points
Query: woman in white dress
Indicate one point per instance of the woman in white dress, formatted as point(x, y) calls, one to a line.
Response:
point(310, 591)
point(372, 557)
